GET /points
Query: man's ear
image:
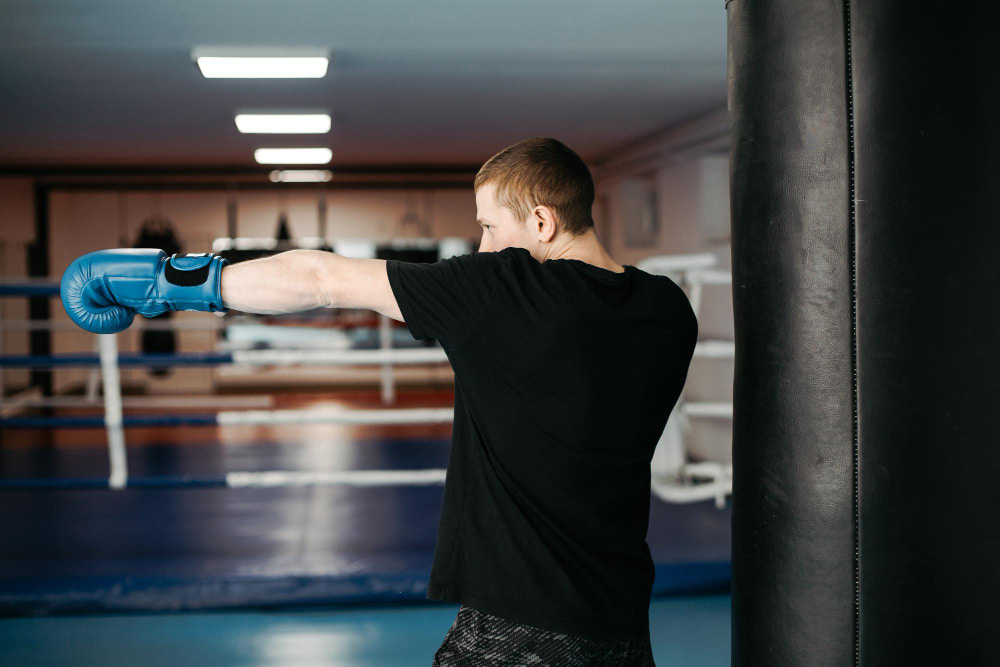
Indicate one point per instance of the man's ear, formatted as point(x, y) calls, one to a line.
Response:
point(544, 219)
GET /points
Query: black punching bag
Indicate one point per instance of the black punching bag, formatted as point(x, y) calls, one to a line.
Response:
point(865, 192)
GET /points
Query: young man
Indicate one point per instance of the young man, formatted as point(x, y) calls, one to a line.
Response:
point(567, 365)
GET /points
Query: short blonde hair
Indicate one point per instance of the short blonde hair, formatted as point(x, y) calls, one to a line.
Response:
point(542, 172)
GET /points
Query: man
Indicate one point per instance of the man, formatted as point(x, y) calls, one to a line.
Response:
point(567, 365)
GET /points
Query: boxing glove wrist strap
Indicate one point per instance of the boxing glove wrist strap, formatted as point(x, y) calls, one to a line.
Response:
point(192, 282)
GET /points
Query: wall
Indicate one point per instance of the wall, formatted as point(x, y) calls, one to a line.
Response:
point(685, 166)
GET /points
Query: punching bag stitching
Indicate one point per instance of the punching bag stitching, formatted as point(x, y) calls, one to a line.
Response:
point(852, 258)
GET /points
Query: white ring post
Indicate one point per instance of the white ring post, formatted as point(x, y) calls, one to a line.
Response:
point(93, 377)
point(695, 286)
point(385, 343)
point(108, 348)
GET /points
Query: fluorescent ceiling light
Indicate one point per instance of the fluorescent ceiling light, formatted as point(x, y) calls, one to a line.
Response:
point(293, 155)
point(283, 123)
point(261, 67)
point(301, 176)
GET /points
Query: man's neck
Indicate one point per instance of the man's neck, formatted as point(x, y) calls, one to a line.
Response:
point(587, 248)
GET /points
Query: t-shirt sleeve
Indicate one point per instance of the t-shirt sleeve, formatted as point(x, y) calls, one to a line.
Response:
point(445, 300)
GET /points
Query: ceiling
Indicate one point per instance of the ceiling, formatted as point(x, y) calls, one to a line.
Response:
point(411, 82)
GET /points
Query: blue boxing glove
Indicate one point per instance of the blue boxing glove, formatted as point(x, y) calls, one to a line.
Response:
point(102, 291)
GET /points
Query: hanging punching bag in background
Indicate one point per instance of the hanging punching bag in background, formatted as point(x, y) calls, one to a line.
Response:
point(865, 193)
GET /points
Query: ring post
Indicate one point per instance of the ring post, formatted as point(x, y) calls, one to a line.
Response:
point(93, 377)
point(385, 343)
point(108, 350)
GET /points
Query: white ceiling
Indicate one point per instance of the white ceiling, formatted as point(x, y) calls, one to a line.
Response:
point(412, 82)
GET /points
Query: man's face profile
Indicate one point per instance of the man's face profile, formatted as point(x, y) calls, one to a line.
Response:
point(499, 226)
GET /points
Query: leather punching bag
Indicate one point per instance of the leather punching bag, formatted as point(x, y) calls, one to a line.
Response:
point(865, 194)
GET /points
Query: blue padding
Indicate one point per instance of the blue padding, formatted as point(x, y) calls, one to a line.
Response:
point(675, 578)
point(124, 359)
point(29, 289)
point(65, 595)
point(104, 594)
point(97, 421)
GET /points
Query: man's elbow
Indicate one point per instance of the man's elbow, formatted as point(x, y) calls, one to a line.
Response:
point(321, 275)
point(346, 282)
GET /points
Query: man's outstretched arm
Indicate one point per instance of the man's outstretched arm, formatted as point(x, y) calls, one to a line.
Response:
point(102, 291)
point(305, 279)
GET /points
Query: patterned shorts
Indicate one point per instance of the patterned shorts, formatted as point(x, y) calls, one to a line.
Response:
point(479, 639)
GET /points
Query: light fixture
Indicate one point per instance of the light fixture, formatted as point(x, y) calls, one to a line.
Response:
point(301, 176)
point(293, 155)
point(261, 64)
point(300, 123)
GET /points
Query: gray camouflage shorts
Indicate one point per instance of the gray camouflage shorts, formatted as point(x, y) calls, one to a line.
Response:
point(479, 639)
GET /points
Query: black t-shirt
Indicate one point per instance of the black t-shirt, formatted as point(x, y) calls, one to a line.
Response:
point(565, 374)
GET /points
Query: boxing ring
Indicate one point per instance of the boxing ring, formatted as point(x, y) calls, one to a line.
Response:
point(379, 540)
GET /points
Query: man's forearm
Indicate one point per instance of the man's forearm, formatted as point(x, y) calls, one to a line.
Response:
point(284, 283)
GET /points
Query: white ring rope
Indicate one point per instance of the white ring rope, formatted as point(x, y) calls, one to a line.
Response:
point(327, 416)
point(423, 355)
point(420, 477)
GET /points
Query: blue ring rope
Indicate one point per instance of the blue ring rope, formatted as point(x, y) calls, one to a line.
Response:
point(124, 359)
point(99, 483)
point(97, 421)
point(28, 289)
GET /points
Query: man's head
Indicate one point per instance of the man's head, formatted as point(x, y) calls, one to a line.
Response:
point(531, 194)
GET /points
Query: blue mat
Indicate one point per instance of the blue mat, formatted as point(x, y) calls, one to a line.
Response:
point(215, 548)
